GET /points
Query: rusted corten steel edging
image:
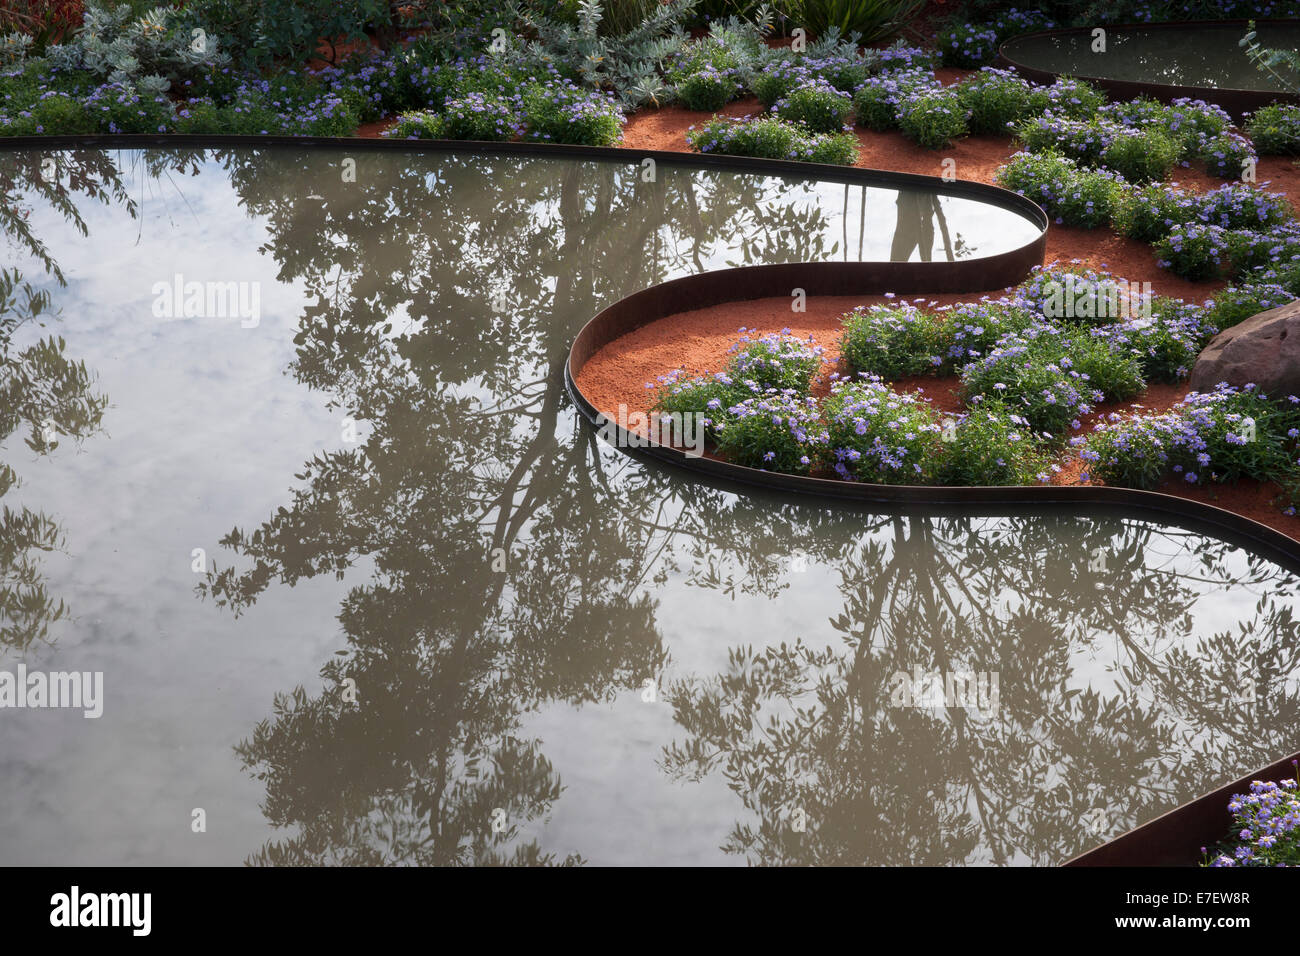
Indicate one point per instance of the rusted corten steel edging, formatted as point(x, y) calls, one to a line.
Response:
point(1235, 101)
point(712, 288)
point(1176, 838)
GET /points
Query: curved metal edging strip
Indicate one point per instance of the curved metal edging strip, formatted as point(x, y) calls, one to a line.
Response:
point(1175, 838)
point(1236, 101)
point(711, 288)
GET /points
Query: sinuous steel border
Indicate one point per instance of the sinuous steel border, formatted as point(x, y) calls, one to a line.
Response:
point(713, 288)
point(1236, 101)
point(1175, 838)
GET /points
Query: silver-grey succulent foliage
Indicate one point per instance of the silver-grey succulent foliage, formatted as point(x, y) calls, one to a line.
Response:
point(147, 52)
point(629, 65)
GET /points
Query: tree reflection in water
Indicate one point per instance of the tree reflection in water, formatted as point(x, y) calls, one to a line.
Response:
point(463, 465)
point(449, 657)
point(801, 729)
point(44, 394)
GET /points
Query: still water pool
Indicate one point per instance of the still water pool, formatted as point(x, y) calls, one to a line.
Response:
point(364, 589)
point(1201, 55)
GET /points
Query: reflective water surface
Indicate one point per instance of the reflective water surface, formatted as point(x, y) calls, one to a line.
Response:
point(364, 589)
point(1206, 56)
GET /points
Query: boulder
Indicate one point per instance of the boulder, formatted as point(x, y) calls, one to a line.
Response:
point(1264, 349)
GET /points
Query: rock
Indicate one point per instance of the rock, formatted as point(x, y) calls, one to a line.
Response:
point(1264, 349)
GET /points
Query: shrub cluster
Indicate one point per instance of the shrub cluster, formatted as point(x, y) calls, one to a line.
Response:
point(774, 431)
point(877, 103)
point(770, 137)
point(996, 100)
point(815, 105)
point(933, 118)
point(709, 89)
point(1070, 194)
point(878, 435)
point(1275, 130)
point(1051, 376)
point(1214, 436)
point(1198, 250)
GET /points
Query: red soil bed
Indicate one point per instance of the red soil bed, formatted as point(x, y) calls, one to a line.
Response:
point(698, 342)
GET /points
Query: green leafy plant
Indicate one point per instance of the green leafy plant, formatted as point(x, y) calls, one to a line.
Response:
point(967, 45)
point(990, 445)
point(708, 396)
point(775, 431)
point(1236, 303)
point(1148, 213)
point(476, 116)
point(875, 434)
point(1081, 140)
point(995, 100)
point(1051, 376)
point(288, 104)
point(115, 44)
point(1070, 97)
point(708, 89)
point(1217, 436)
point(629, 64)
point(1140, 156)
point(727, 48)
point(772, 138)
point(564, 113)
point(1195, 250)
point(871, 20)
point(1228, 155)
point(292, 30)
point(895, 341)
point(933, 119)
point(1165, 342)
point(876, 105)
point(1275, 130)
point(1282, 65)
point(418, 125)
point(1071, 195)
point(618, 17)
point(817, 106)
point(774, 361)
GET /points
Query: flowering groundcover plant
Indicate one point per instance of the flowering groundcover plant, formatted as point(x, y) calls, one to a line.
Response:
point(772, 138)
point(816, 105)
point(1264, 827)
point(878, 435)
point(1214, 436)
point(778, 430)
